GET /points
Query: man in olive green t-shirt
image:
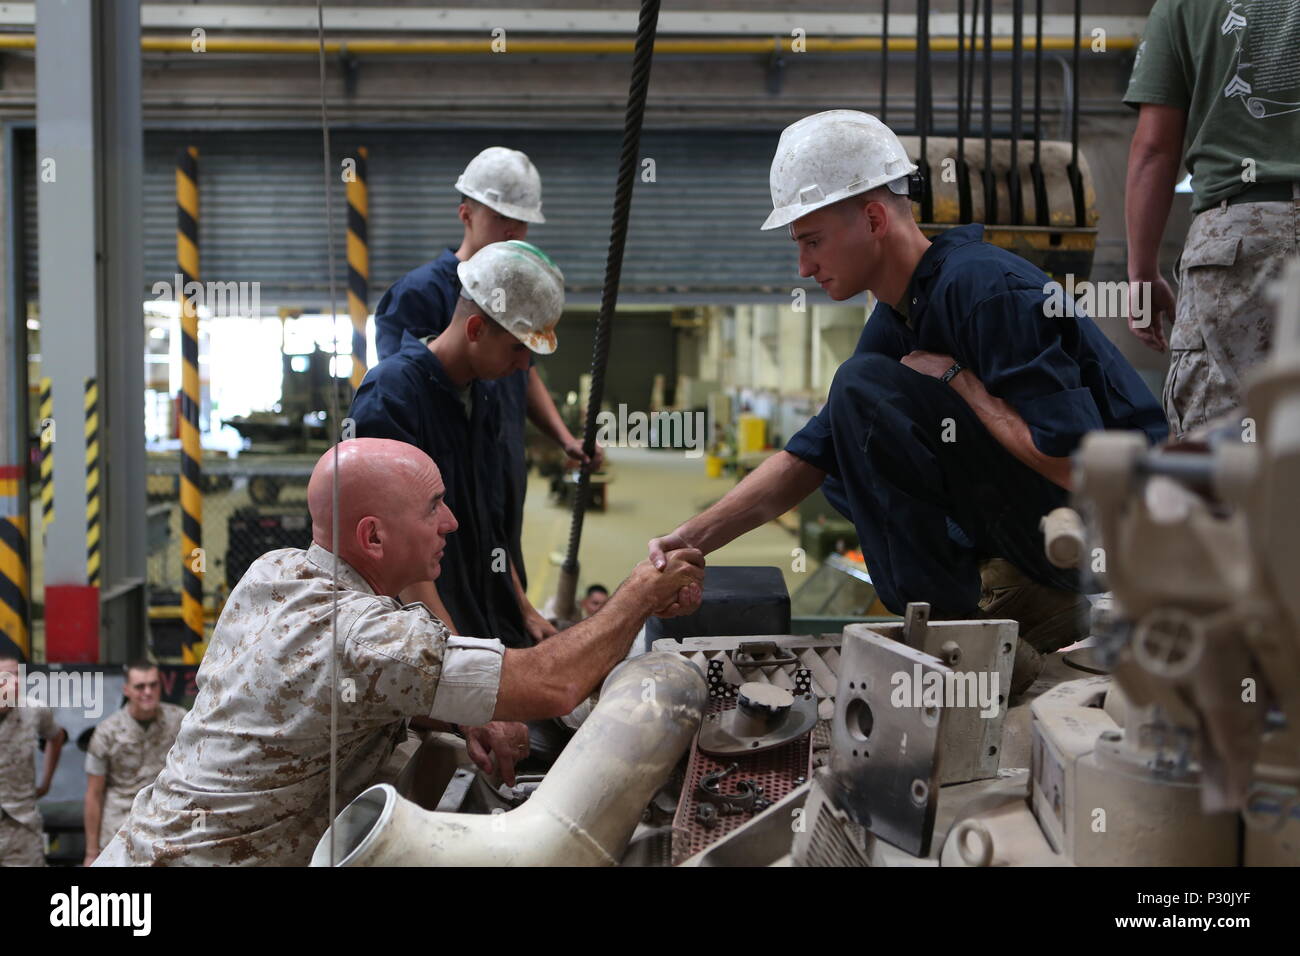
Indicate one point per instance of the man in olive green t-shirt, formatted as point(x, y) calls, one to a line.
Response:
point(1217, 85)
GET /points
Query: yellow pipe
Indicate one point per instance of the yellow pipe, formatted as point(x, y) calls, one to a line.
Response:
point(157, 44)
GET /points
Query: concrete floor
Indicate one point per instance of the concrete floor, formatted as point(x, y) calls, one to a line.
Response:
point(651, 493)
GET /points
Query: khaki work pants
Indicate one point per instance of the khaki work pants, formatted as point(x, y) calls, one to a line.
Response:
point(1224, 324)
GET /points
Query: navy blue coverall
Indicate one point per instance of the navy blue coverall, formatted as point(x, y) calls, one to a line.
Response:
point(408, 397)
point(422, 303)
point(907, 459)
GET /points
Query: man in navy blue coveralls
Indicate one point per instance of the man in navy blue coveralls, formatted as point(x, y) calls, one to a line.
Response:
point(439, 394)
point(501, 194)
point(946, 436)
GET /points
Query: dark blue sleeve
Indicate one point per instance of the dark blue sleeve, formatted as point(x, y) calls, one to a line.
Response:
point(1017, 351)
point(379, 411)
point(404, 307)
point(388, 326)
point(813, 443)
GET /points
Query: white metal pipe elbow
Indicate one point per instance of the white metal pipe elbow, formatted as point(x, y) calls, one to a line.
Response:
point(582, 814)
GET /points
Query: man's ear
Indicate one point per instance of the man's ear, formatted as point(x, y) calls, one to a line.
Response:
point(878, 214)
point(370, 537)
point(475, 327)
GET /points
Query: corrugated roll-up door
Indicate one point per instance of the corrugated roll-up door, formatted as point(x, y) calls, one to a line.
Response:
point(694, 235)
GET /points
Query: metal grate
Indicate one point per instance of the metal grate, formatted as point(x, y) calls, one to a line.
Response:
point(832, 838)
point(777, 771)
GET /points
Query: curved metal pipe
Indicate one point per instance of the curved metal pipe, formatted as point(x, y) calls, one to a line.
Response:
point(582, 814)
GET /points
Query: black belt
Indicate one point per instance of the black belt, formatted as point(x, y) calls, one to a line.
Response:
point(1263, 192)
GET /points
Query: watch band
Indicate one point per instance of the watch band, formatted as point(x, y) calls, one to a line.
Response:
point(949, 375)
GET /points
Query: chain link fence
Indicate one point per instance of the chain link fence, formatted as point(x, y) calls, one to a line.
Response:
point(251, 505)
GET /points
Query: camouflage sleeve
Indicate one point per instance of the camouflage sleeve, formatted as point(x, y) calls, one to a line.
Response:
point(97, 752)
point(176, 714)
point(47, 728)
point(1158, 73)
point(403, 663)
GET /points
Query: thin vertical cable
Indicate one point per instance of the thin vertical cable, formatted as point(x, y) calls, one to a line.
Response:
point(334, 424)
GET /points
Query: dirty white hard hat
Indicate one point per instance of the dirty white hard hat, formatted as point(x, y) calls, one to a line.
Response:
point(518, 286)
point(830, 156)
point(506, 181)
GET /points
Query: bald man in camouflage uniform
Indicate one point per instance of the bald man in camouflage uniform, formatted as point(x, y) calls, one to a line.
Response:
point(1217, 92)
point(248, 780)
point(21, 727)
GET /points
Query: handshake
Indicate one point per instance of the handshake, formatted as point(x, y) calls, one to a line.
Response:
point(671, 578)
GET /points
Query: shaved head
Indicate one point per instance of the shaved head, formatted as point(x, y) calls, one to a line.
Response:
point(392, 517)
point(372, 474)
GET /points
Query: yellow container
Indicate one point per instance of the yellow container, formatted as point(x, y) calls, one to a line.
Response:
point(751, 433)
point(712, 466)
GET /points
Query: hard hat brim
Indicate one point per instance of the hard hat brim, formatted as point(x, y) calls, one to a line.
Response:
point(543, 342)
point(505, 209)
point(784, 215)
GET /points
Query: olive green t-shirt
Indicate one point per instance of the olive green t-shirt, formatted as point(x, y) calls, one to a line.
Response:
point(1234, 66)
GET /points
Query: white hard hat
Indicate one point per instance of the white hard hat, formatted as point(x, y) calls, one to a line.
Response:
point(830, 156)
point(518, 286)
point(506, 181)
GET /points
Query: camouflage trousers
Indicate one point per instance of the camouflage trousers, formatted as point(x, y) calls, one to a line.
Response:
point(19, 845)
point(1224, 323)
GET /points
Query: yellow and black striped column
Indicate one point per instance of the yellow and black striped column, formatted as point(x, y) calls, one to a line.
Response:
point(187, 262)
point(92, 482)
point(14, 627)
point(47, 453)
point(358, 266)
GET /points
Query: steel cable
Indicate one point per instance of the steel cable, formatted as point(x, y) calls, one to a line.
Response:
point(642, 56)
point(334, 424)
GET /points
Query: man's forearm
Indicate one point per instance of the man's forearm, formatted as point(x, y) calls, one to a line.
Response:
point(551, 679)
point(94, 816)
point(53, 748)
point(427, 592)
point(1153, 163)
point(542, 411)
point(1009, 429)
point(772, 489)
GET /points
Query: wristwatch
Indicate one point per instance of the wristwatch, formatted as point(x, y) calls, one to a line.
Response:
point(949, 375)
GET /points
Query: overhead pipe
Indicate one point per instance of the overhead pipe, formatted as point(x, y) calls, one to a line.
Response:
point(585, 810)
point(158, 44)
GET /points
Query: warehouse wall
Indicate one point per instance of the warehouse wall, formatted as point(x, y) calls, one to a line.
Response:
point(457, 103)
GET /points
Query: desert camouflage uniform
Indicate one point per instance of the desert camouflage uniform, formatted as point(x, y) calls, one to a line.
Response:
point(247, 782)
point(129, 757)
point(1224, 324)
point(20, 820)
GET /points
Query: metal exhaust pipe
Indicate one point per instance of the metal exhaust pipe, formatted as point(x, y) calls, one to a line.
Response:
point(582, 814)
